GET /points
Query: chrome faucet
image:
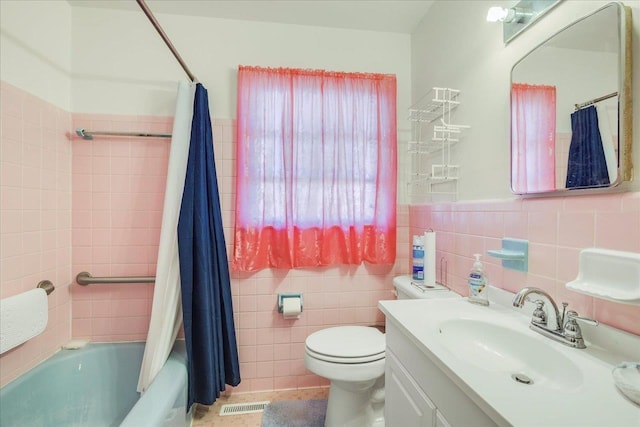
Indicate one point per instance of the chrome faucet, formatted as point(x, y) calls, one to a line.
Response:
point(520, 298)
point(566, 331)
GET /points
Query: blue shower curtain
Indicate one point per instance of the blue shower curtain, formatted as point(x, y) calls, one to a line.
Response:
point(587, 166)
point(204, 271)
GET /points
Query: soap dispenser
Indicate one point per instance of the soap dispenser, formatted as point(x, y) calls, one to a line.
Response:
point(478, 290)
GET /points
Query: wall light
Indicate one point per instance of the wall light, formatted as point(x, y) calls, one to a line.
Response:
point(497, 13)
point(502, 14)
point(517, 18)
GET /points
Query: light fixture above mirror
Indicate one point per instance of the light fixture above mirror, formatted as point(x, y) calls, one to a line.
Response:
point(517, 18)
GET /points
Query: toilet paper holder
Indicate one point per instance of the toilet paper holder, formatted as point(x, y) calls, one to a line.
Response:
point(281, 298)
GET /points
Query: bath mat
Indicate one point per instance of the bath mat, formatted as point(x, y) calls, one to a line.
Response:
point(295, 413)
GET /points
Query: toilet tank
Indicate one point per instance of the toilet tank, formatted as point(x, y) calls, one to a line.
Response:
point(405, 290)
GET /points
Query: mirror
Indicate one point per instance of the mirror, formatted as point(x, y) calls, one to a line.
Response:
point(571, 108)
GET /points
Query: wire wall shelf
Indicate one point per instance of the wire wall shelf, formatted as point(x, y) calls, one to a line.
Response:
point(433, 177)
point(430, 107)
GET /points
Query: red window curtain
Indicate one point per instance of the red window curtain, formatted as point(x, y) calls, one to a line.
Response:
point(533, 138)
point(316, 169)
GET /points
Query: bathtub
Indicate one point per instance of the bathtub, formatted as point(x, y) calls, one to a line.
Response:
point(96, 386)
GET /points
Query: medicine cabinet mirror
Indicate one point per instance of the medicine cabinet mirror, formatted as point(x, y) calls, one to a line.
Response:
point(571, 108)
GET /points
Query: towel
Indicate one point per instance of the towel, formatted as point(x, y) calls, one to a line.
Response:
point(22, 317)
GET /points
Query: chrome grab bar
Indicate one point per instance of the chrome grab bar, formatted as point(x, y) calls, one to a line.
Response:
point(84, 278)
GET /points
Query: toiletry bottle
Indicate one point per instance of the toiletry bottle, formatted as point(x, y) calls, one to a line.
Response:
point(418, 259)
point(478, 291)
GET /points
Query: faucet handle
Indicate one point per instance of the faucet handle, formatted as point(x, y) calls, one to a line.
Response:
point(573, 315)
point(572, 331)
point(539, 315)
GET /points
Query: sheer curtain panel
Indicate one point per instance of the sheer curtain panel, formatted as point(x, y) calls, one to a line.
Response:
point(316, 169)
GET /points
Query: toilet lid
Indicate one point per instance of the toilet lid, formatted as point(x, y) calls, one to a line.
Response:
point(347, 342)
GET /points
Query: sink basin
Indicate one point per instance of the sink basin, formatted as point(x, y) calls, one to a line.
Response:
point(493, 347)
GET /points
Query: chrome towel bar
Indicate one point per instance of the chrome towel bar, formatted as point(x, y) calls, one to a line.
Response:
point(88, 134)
point(85, 279)
point(47, 285)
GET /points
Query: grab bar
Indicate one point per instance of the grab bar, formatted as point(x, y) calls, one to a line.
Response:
point(47, 285)
point(88, 134)
point(85, 279)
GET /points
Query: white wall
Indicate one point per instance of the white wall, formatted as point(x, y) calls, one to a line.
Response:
point(35, 48)
point(121, 65)
point(455, 47)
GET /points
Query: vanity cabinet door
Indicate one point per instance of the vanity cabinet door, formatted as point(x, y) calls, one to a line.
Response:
point(405, 403)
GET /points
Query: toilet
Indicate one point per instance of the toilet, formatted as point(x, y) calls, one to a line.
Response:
point(353, 359)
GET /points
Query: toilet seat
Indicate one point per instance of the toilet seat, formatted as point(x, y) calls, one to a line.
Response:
point(345, 360)
point(347, 344)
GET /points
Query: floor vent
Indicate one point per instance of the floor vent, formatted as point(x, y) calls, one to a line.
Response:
point(243, 408)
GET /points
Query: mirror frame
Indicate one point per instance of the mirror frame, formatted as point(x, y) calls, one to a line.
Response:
point(625, 106)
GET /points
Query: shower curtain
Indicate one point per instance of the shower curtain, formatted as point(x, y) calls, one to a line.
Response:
point(608, 127)
point(166, 312)
point(204, 270)
point(587, 166)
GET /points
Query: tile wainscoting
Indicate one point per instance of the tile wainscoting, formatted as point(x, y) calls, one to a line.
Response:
point(557, 228)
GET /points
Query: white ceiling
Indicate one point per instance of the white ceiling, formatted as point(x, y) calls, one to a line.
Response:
point(398, 16)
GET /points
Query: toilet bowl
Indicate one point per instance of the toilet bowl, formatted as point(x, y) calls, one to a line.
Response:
point(353, 359)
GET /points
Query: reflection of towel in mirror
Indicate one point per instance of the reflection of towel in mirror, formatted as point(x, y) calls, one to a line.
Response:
point(607, 123)
point(587, 165)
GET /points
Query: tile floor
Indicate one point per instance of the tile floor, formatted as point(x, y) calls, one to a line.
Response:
point(208, 416)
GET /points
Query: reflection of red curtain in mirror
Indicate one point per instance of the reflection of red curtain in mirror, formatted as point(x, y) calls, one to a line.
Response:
point(533, 129)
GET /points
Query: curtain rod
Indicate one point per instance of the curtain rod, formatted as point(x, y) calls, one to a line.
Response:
point(88, 134)
point(595, 100)
point(164, 36)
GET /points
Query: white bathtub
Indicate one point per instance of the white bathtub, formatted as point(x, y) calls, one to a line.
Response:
point(96, 386)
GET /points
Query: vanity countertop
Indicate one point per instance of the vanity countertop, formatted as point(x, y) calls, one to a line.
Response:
point(571, 387)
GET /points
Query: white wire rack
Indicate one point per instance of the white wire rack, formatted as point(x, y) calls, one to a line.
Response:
point(433, 176)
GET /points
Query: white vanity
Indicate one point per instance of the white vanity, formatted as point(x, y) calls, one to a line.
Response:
point(419, 393)
point(452, 363)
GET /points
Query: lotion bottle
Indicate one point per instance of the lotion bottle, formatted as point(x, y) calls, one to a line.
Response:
point(478, 290)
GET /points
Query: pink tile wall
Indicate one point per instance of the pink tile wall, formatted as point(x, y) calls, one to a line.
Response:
point(35, 217)
point(271, 349)
point(118, 194)
point(557, 229)
point(118, 189)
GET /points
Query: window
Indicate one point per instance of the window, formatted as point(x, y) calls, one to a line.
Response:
point(316, 168)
